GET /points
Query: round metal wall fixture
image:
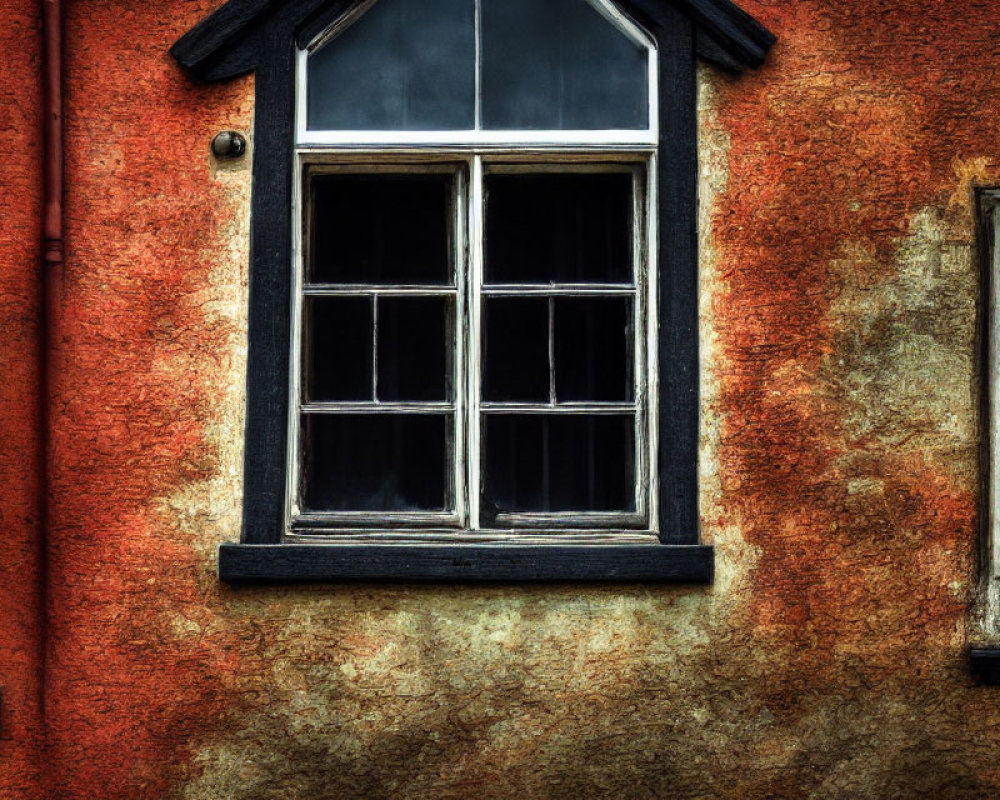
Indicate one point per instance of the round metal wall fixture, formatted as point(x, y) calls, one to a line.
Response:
point(229, 144)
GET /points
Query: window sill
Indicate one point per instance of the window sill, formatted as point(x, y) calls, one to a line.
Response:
point(464, 563)
point(985, 662)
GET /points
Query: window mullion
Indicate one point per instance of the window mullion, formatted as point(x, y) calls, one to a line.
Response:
point(478, 98)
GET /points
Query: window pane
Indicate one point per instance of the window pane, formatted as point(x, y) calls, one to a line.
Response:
point(403, 66)
point(516, 349)
point(593, 348)
point(415, 336)
point(338, 349)
point(381, 229)
point(559, 227)
point(559, 65)
point(568, 462)
point(384, 462)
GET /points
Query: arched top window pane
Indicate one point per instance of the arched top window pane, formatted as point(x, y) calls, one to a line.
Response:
point(491, 65)
point(405, 65)
point(559, 65)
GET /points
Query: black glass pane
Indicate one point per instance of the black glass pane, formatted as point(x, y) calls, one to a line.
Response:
point(559, 227)
point(547, 462)
point(414, 348)
point(593, 349)
point(516, 349)
point(559, 65)
point(385, 462)
point(403, 66)
point(338, 349)
point(381, 229)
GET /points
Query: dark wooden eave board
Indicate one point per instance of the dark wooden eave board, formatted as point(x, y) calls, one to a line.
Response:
point(217, 33)
point(216, 48)
point(714, 53)
point(465, 563)
point(733, 29)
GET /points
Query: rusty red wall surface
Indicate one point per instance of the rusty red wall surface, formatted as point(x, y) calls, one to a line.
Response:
point(839, 286)
point(21, 619)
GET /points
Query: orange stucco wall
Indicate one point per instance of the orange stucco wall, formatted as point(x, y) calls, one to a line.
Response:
point(839, 287)
point(21, 618)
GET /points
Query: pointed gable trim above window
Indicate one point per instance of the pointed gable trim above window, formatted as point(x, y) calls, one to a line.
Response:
point(226, 43)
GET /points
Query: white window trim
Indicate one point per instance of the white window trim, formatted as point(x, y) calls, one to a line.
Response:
point(465, 523)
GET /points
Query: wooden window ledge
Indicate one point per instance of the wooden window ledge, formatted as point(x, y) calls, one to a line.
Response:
point(985, 663)
point(464, 563)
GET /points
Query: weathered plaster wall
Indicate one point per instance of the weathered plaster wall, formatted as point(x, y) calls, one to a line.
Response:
point(20, 402)
point(838, 469)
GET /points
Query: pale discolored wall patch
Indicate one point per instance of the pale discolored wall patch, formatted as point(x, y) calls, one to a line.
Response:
point(209, 512)
point(903, 356)
point(380, 692)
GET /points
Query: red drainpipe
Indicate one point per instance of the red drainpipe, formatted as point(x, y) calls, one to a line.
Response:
point(53, 222)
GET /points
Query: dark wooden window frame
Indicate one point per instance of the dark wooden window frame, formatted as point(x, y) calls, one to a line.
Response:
point(263, 36)
point(985, 658)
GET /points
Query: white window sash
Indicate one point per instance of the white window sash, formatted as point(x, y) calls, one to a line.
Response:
point(467, 406)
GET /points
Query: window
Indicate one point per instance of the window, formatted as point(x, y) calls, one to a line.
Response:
point(471, 348)
point(986, 659)
point(473, 304)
